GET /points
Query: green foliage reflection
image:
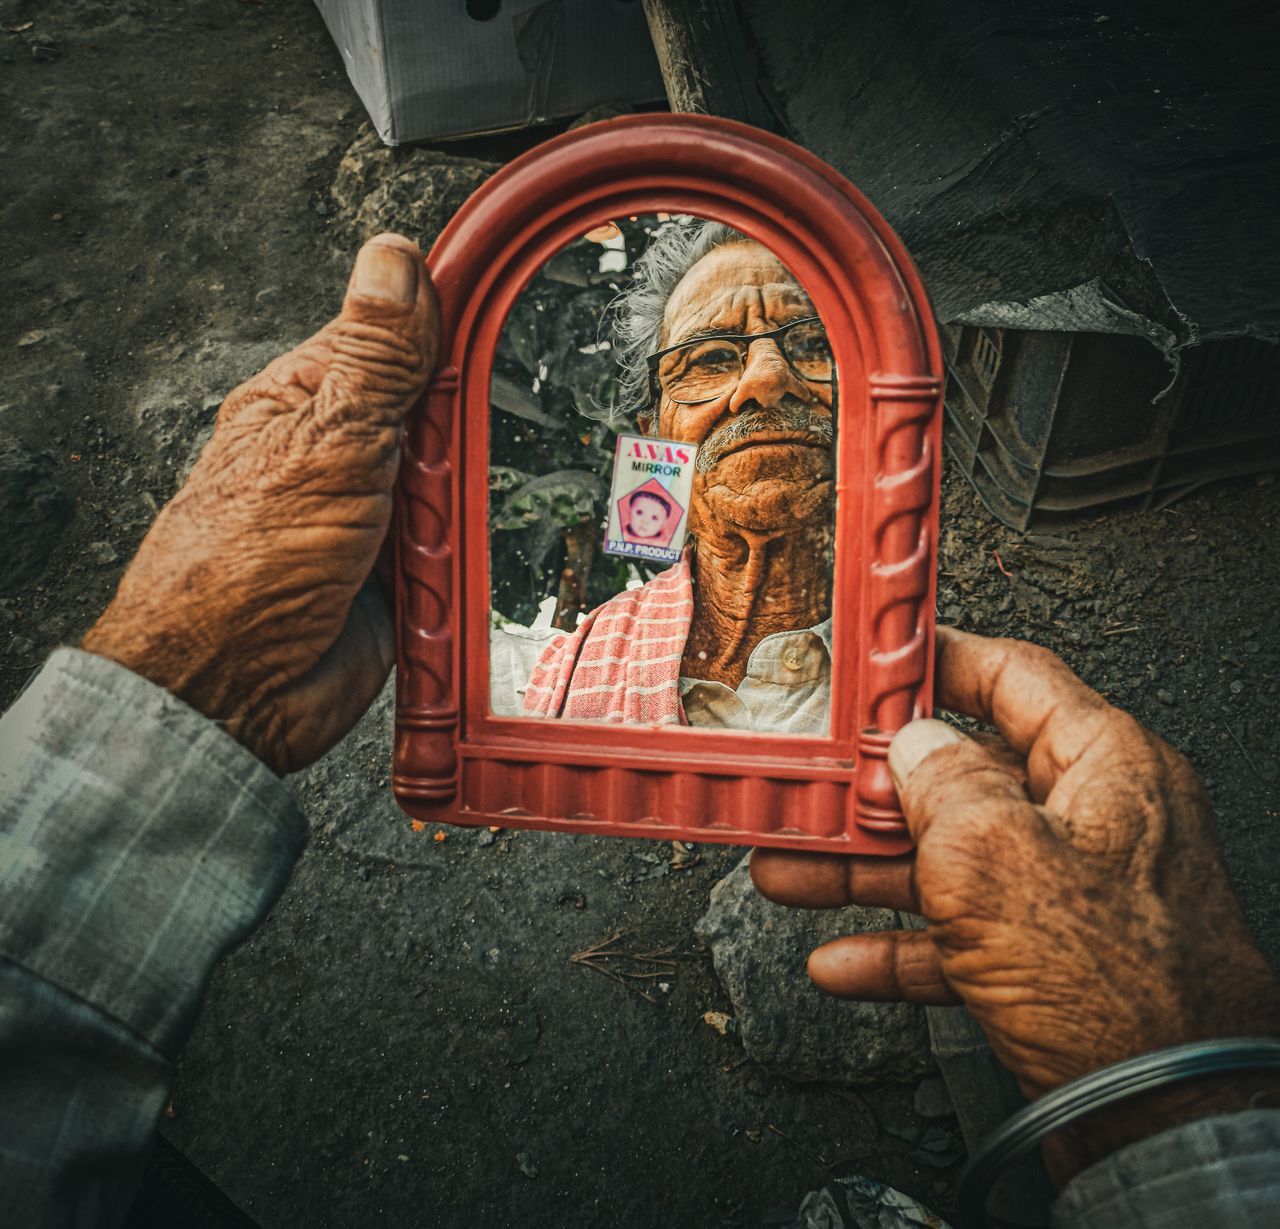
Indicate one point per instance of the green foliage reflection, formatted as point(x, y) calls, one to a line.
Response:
point(552, 428)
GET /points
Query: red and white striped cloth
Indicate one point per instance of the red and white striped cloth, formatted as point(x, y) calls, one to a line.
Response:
point(622, 664)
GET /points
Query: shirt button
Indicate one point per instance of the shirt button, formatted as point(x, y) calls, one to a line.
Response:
point(793, 659)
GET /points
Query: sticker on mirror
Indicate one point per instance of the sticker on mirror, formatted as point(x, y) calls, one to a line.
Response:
point(649, 498)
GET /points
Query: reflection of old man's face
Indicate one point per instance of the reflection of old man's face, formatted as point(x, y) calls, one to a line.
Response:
point(766, 461)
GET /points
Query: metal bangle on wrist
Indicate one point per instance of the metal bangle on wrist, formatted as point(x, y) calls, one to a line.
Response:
point(1117, 1082)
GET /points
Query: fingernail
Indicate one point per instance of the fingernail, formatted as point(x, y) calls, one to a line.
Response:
point(914, 742)
point(386, 272)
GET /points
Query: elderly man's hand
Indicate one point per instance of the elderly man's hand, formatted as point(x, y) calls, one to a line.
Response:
point(252, 596)
point(1075, 893)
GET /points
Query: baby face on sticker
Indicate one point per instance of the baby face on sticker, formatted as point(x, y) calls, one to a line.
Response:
point(647, 515)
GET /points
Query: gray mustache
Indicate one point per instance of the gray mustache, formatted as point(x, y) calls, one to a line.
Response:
point(801, 419)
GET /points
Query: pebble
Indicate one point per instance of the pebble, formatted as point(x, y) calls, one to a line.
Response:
point(32, 338)
point(1237, 687)
point(1165, 697)
point(103, 553)
point(932, 1100)
point(20, 646)
point(787, 1026)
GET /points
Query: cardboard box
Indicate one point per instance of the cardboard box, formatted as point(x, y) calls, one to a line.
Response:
point(428, 69)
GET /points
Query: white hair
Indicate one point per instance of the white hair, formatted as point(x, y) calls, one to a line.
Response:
point(638, 311)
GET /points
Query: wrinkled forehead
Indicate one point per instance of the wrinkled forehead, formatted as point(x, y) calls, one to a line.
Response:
point(739, 287)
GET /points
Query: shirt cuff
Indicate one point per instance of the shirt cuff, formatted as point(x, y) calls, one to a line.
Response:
point(1223, 1170)
point(139, 843)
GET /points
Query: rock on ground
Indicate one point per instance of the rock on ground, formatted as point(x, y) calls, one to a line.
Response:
point(413, 191)
point(347, 795)
point(786, 1024)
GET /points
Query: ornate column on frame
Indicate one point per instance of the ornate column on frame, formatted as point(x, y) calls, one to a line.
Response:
point(900, 582)
point(427, 694)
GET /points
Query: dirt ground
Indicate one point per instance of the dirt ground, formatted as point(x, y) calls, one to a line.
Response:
point(406, 1039)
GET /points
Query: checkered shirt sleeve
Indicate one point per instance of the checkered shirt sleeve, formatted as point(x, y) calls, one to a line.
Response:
point(138, 845)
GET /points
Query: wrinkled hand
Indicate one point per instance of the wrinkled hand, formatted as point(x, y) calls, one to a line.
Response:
point(251, 597)
point(1075, 892)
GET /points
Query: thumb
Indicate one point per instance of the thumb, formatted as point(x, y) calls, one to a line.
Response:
point(384, 341)
point(914, 743)
point(947, 779)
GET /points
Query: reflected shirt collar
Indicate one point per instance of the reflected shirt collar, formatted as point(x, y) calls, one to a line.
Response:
point(786, 687)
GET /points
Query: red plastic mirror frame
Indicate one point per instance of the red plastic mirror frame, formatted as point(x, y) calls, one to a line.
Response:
point(455, 762)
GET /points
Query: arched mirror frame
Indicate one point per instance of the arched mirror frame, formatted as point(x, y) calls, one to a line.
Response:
point(454, 761)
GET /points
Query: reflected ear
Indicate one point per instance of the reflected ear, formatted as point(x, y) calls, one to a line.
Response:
point(644, 422)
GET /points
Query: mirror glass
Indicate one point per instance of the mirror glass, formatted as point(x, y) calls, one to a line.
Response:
point(662, 486)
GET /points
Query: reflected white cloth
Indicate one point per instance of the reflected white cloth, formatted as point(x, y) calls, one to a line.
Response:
point(786, 689)
point(513, 652)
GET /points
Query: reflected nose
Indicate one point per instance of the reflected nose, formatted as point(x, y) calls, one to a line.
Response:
point(767, 379)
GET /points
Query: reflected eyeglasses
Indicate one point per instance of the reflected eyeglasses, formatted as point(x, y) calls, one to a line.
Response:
point(704, 368)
